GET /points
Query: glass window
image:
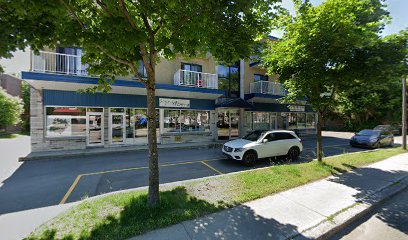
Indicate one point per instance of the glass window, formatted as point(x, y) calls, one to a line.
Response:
point(259, 77)
point(282, 121)
point(94, 109)
point(141, 69)
point(65, 121)
point(171, 121)
point(301, 120)
point(117, 110)
point(191, 67)
point(194, 121)
point(228, 79)
point(292, 120)
point(261, 121)
point(248, 120)
point(310, 120)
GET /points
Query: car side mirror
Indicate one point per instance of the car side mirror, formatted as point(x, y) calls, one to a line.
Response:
point(264, 140)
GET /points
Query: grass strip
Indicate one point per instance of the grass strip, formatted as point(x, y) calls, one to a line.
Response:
point(123, 215)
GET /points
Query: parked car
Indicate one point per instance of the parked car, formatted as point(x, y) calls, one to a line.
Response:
point(372, 138)
point(262, 144)
point(393, 128)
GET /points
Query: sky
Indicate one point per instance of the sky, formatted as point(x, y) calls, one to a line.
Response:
point(398, 11)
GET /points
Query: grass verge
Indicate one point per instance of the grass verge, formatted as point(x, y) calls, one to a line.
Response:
point(123, 215)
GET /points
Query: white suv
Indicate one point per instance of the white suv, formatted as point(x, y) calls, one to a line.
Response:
point(263, 144)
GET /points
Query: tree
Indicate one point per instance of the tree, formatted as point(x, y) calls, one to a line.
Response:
point(1, 69)
point(10, 109)
point(25, 96)
point(116, 34)
point(327, 49)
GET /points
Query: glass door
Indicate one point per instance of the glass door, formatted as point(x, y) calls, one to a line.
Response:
point(228, 124)
point(117, 128)
point(234, 127)
point(94, 128)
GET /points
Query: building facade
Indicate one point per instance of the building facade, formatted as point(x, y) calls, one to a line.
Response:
point(197, 100)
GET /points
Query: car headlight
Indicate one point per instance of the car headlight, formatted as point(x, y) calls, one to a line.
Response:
point(239, 149)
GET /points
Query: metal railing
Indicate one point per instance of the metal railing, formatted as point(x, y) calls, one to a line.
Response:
point(266, 87)
point(195, 79)
point(60, 63)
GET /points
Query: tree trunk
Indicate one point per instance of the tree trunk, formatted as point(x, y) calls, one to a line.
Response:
point(319, 147)
point(154, 194)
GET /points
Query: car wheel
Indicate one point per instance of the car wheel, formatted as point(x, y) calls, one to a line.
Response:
point(293, 154)
point(250, 158)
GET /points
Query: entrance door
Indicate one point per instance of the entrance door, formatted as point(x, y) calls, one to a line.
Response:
point(228, 124)
point(117, 128)
point(94, 128)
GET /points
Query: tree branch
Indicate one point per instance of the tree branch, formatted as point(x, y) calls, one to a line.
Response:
point(70, 10)
point(127, 15)
point(125, 62)
point(104, 8)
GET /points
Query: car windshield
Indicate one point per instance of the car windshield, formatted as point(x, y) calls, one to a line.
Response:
point(368, 133)
point(254, 136)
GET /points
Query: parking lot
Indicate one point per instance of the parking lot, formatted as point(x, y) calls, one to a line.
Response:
point(48, 182)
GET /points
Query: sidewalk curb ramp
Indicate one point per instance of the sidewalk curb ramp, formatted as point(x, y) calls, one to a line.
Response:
point(340, 220)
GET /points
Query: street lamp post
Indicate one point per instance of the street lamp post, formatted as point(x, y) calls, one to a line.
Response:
point(404, 112)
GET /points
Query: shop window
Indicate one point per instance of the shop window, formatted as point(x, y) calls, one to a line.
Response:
point(65, 121)
point(186, 121)
point(310, 120)
point(292, 120)
point(301, 120)
point(261, 121)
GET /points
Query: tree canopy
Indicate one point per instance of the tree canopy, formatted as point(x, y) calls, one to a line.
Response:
point(335, 47)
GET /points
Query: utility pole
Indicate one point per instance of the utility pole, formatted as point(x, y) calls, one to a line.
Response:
point(404, 112)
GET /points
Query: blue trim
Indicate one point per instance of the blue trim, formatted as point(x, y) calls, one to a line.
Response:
point(275, 107)
point(118, 82)
point(261, 95)
point(70, 98)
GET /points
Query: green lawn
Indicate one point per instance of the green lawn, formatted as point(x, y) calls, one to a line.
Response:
point(8, 135)
point(123, 215)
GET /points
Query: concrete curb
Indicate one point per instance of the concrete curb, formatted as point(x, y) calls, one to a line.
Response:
point(340, 220)
point(82, 153)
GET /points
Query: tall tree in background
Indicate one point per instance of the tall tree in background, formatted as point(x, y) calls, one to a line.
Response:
point(330, 48)
point(116, 34)
point(11, 109)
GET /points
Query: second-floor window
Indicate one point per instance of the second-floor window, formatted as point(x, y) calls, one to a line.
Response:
point(142, 70)
point(68, 61)
point(190, 74)
point(259, 77)
point(228, 79)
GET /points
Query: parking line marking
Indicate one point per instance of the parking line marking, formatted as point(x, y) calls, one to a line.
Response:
point(210, 167)
point(64, 199)
point(75, 183)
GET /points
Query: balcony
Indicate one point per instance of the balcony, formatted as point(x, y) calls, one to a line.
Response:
point(266, 87)
point(50, 62)
point(195, 79)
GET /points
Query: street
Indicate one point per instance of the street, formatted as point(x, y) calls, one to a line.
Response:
point(388, 221)
point(41, 183)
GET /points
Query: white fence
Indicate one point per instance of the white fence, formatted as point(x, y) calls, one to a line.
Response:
point(267, 87)
point(195, 79)
point(58, 63)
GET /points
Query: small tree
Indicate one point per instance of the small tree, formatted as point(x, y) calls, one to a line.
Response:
point(327, 48)
point(11, 109)
point(116, 34)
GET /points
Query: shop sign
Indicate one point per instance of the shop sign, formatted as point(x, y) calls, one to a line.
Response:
point(175, 103)
point(296, 108)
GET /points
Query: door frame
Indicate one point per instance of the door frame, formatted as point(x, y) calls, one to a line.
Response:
point(101, 114)
point(123, 114)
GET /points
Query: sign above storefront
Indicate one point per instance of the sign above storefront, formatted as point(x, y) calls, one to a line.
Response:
point(296, 108)
point(174, 103)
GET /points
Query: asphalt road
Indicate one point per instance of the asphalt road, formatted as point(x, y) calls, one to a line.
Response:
point(388, 221)
point(41, 183)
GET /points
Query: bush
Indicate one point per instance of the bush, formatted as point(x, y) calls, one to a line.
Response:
point(11, 109)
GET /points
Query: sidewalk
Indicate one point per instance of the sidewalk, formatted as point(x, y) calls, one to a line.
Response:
point(315, 210)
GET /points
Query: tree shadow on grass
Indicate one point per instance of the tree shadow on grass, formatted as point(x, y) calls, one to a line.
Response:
point(137, 217)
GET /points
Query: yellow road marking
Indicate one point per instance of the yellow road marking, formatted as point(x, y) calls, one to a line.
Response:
point(210, 167)
point(64, 199)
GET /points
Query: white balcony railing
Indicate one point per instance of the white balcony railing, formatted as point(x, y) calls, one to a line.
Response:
point(61, 63)
point(195, 79)
point(267, 87)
